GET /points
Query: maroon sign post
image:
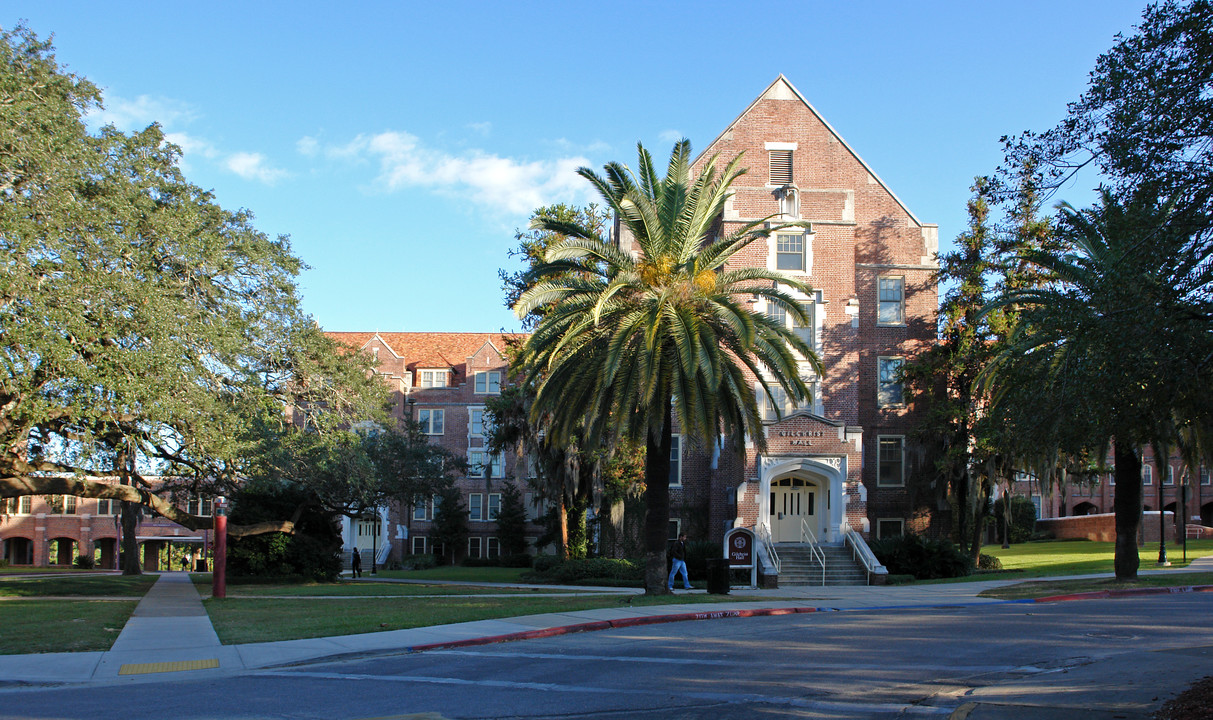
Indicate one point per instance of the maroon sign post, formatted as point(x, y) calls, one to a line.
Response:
point(739, 550)
point(219, 572)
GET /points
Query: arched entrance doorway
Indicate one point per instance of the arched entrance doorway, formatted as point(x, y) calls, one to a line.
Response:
point(1085, 508)
point(19, 551)
point(800, 492)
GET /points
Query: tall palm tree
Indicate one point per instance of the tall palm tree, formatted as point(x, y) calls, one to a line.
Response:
point(633, 344)
point(1119, 341)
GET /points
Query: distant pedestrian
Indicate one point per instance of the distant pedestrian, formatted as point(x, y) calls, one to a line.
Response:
point(679, 554)
point(356, 564)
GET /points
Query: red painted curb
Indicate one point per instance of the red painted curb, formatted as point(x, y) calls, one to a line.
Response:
point(1103, 594)
point(608, 624)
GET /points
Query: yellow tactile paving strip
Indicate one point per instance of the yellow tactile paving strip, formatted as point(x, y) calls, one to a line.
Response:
point(163, 667)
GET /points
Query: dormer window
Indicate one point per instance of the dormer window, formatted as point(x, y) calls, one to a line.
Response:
point(488, 383)
point(432, 378)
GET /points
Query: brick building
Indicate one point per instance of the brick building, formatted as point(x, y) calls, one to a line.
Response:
point(48, 530)
point(1161, 487)
point(844, 460)
point(441, 380)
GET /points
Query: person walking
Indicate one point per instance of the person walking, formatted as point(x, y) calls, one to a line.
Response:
point(356, 564)
point(679, 555)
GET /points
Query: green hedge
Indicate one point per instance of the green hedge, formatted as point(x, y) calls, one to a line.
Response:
point(924, 558)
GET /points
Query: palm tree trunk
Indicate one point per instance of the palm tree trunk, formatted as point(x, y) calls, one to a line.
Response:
point(1127, 505)
point(657, 504)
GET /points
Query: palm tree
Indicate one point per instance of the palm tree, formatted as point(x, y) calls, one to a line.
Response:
point(629, 345)
point(1119, 341)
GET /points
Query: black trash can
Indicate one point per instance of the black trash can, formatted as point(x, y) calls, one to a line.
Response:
point(718, 576)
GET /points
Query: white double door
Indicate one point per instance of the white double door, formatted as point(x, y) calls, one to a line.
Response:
point(793, 505)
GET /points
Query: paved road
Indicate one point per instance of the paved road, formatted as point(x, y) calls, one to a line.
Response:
point(1117, 658)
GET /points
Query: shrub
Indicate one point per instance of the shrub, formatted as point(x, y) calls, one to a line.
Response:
point(988, 562)
point(543, 563)
point(480, 562)
point(522, 560)
point(84, 562)
point(418, 562)
point(698, 552)
point(602, 570)
point(899, 579)
point(921, 557)
point(312, 552)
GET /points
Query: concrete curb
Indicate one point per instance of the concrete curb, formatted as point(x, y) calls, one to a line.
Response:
point(1105, 594)
point(608, 625)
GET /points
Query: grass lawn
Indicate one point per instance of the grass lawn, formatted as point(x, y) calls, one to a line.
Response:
point(1048, 588)
point(96, 585)
point(39, 626)
point(347, 588)
point(1073, 557)
point(457, 572)
point(239, 620)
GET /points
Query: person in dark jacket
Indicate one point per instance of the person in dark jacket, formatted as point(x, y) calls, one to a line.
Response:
point(356, 564)
point(679, 554)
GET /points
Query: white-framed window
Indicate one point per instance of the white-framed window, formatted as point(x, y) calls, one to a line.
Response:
point(791, 251)
point(1112, 479)
point(1147, 473)
point(474, 545)
point(779, 167)
point(494, 507)
point(487, 382)
point(890, 527)
point(109, 506)
point(1204, 475)
point(476, 507)
point(198, 505)
point(891, 460)
point(777, 313)
point(431, 420)
point(1170, 478)
point(418, 544)
point(432, 378)
point(493, 548)
point(806, 332)
point(889, 390)
point(676, 459)
point(891, 309)
point(777, 401)
point(536, 507)
point(675, 528)
point(477, 460)
point(419, 507)
point(61, 504)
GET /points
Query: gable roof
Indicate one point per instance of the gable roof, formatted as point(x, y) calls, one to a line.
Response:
point(781, 88)
point(430, 349)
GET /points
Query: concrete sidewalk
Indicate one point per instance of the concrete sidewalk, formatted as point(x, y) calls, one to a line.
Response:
point(170, 631)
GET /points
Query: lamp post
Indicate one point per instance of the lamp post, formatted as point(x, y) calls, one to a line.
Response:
point(375, 541)
point(219, 573)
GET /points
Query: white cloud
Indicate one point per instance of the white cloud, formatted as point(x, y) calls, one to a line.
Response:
point(501, 183)
point(671, 136)
point(253, 166)
point(483, 128)
point(308, 146)
point(192, 145)
point(128, 115)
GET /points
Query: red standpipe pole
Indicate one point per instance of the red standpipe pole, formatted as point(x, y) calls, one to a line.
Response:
point(219, 575)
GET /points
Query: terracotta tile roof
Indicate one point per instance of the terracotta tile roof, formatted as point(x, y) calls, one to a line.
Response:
point(431, 349)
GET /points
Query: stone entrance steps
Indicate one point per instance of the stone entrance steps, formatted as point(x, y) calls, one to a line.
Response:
point(797, 566)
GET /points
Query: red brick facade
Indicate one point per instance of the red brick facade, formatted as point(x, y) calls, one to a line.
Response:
point(822, 461)
point(55, 530)
point(442, 380)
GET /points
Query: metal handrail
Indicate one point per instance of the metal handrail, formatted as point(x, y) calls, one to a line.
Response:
point(764, 535)
point(806, 535)
point(861, 552)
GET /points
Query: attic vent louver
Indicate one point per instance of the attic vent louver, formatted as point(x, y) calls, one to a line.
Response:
point(781, 167)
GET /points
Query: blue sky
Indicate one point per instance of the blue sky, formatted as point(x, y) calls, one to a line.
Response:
point(401, 144)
